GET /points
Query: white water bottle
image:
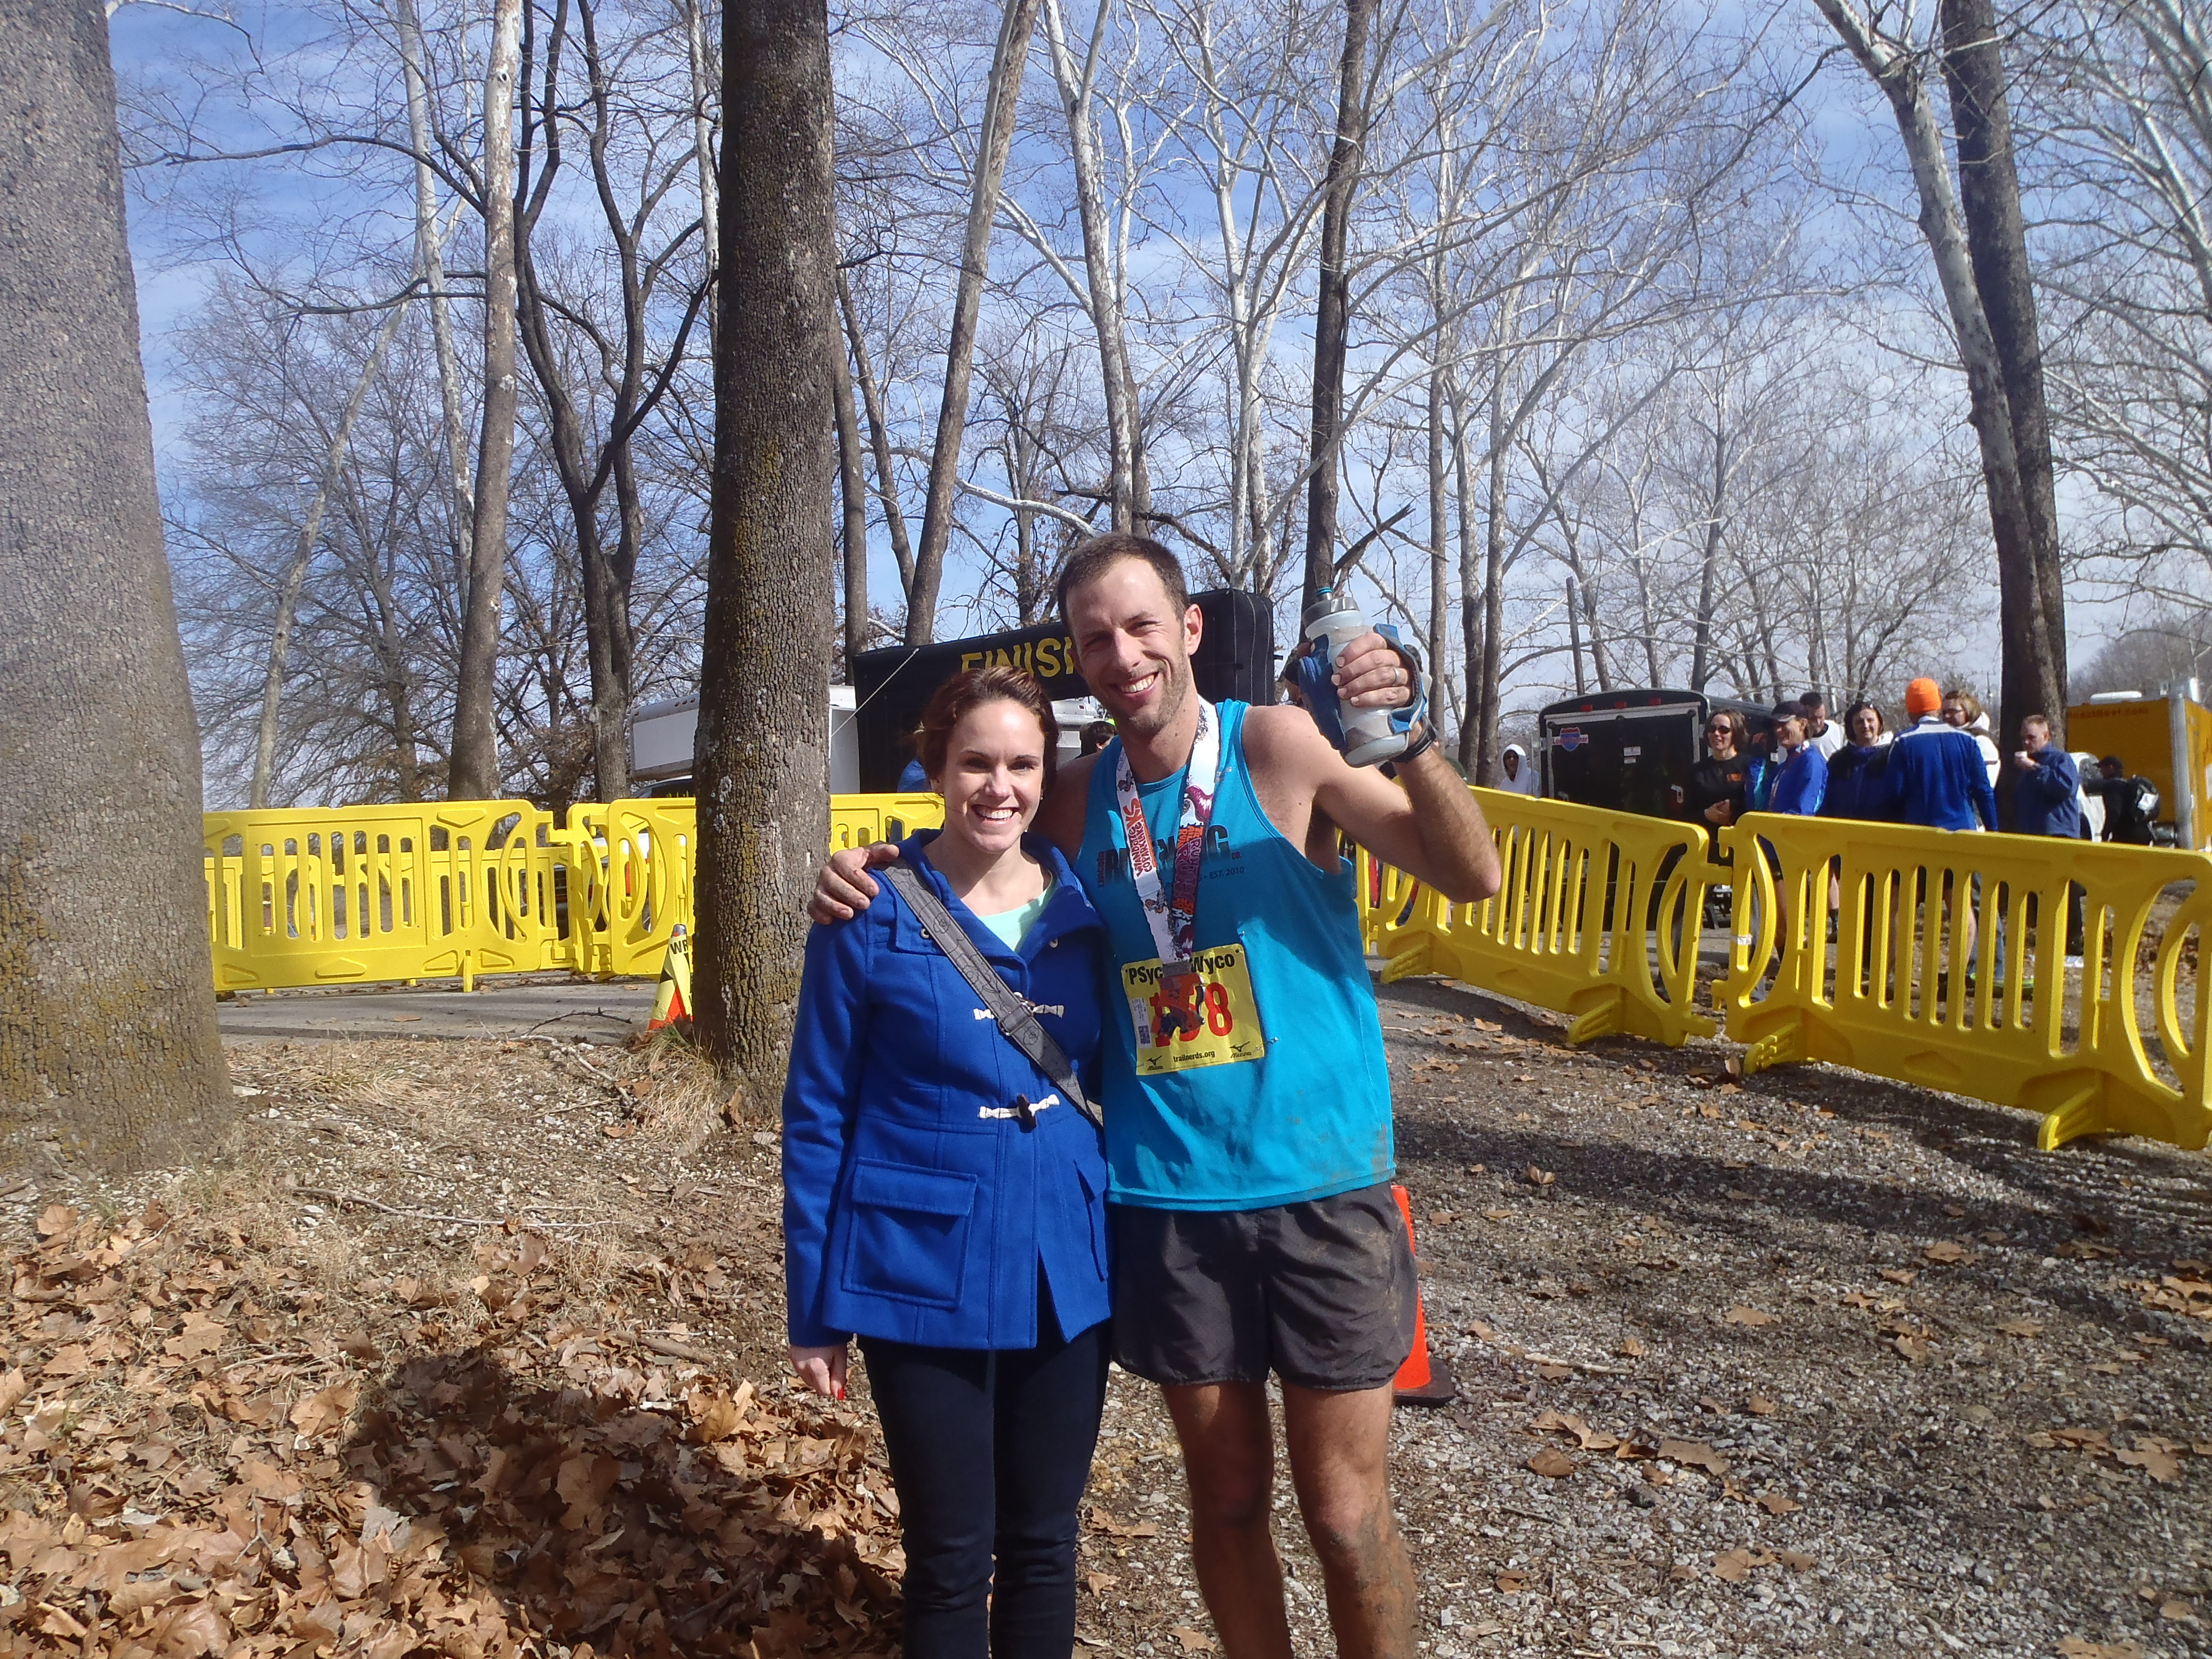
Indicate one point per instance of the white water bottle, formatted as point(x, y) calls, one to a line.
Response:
point(1369, 736)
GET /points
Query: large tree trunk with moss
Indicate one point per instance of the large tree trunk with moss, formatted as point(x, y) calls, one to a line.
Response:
point(108, 1052)
point(762, 759)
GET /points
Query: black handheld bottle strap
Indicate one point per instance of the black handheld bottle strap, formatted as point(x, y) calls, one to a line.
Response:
point(1016, 1021)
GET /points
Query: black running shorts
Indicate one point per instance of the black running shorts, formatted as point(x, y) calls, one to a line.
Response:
point(1321, 1292)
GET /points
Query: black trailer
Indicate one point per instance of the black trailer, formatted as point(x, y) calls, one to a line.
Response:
point(1632, 752)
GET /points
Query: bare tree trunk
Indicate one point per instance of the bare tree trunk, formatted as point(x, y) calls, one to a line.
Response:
point(108, 1051)
point(1996, 242)
point(474, 772)
point(879, 439)
point(1439, 495)
point(1332, 318)
point(430, 255)
point(1003, 94)
point(2029, 669)
point(853, 492)
point(295, 573)
point(1470, 594)
point(1708, 566)
point(1574, 638)
point(702, 144)
point(1101, 275)
point(762, 759)
point(1601, 665)
point(1488, 692)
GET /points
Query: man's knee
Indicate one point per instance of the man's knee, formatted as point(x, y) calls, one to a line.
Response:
point(1228, 1491)
point(1349, 1521)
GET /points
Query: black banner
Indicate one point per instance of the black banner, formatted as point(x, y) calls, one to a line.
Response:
point(1235, 660)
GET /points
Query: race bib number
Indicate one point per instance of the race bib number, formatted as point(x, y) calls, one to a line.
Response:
point(1207, 1016)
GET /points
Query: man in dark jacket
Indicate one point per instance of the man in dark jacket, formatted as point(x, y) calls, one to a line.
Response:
point(2047, 798)
point(2047, 801)
point(2128, 801)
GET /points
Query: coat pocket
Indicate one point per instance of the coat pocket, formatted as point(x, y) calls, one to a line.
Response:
point(909, 1238)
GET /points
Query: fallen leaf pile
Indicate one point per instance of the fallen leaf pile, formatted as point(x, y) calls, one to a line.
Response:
point(188, 1471)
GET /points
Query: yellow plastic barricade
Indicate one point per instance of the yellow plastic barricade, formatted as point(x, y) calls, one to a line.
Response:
point(324, 896)
point(1597, 916)
point(315, 896)
point(626, 869)
point(628, 866)
point(1948, 969)
point(857, 820)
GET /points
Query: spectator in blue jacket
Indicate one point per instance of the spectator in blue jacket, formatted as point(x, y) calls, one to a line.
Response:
point(947, 1205)
point(1858, 773)
point(1937, 779)
point(1793, 777)
point(2047, 798)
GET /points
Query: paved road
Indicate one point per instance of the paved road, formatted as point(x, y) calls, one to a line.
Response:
point(547, 1006)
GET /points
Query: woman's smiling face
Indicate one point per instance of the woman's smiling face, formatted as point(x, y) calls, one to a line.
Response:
point(994, 775)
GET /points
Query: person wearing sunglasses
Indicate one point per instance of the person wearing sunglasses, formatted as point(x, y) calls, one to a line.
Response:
point(1717, 783)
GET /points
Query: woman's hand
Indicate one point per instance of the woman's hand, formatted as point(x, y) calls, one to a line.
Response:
point(821, 1369)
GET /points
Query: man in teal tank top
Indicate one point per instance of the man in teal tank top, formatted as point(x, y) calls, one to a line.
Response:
point(1247, 1098)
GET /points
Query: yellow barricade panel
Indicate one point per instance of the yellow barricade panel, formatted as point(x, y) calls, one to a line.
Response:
point(1949, 968)
point(323, 896)
point(1597, 916)
point(331, 896)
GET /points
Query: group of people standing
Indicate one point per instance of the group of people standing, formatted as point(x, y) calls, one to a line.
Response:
point(1940, 773)
point(1165, 927)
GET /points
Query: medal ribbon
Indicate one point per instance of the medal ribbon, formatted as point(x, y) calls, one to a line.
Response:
point(1173, 916)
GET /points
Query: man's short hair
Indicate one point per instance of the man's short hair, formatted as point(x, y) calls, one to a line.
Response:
point(1093, 558)
point(2114, 761)
point(1815, 700)
point(2043, 720)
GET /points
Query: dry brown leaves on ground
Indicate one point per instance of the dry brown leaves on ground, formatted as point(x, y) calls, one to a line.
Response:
point(191, 1466)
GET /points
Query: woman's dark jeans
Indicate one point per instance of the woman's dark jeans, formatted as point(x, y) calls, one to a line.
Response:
point(990, 1451)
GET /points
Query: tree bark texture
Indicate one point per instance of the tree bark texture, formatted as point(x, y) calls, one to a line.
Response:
point(475, 773)
point(1007, 63)
point(762, 756)
point(1996, 245)
point(1332, 318)
point(108, 1051)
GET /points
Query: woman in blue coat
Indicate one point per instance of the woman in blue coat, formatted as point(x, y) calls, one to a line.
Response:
point(959, 1235)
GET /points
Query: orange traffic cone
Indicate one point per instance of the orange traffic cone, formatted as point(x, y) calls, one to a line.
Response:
point(1421, 1381)
point(672, 999)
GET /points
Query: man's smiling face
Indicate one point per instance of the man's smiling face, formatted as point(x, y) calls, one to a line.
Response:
point(1133, 645)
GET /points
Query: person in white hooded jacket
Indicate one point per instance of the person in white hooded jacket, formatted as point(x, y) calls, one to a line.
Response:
point(1516, 773)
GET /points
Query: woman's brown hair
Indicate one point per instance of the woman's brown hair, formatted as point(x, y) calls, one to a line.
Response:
point(963, 693)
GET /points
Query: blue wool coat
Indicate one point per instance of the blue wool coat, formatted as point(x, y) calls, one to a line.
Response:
point(910, 1210)
point(2048, 799)
point(1937, 779)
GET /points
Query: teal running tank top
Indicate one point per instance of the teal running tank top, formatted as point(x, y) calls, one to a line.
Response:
point(1308, 1116)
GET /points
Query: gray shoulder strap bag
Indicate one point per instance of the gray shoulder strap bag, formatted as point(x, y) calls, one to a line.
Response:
point(1016, 1021)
